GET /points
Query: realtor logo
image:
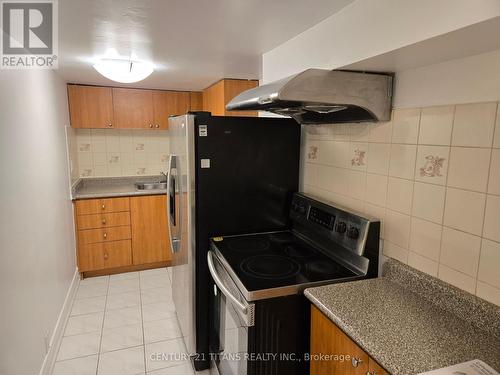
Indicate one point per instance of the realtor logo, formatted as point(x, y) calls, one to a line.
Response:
point(29, 37)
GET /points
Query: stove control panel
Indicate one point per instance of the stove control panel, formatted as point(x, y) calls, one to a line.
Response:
point(320, 217)
point(331, 223)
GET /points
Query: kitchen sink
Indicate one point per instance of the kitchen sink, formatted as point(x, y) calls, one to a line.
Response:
point(151, 186)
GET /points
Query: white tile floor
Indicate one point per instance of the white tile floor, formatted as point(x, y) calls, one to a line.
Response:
point(123, 325)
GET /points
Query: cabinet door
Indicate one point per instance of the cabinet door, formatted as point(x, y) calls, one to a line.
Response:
point(196, 101)
point(100, 256)
point(90, 106)
point(213, 99)
point(150, 242)
point(98, 206)
point(234, 87)
point(133, 108)
point(375, 368)
point(168, 103)
point(344, 356)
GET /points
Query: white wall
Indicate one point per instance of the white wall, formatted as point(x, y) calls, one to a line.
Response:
point(368, 28)
point(469, 80)
point(37, 246)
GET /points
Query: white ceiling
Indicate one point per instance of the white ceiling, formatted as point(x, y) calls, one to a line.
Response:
point(192, 43)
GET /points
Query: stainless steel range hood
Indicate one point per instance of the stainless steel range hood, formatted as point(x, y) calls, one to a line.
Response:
point(318, 96)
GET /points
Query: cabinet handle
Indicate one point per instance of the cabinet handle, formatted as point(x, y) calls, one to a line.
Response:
point(106, 256)
point(157, 126)
point(110, 125)
point(150, 125)
point(103, 206)
point(372, 373)
point(106, 236)
point(356, 361)
point(103, 221)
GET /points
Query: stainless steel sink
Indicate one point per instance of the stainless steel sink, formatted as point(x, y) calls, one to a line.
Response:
point(151, 186)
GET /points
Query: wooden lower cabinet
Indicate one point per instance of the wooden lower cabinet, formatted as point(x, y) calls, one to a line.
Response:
point(334, 353)
point(118, 234)
point(150, 241)
point(103, 255)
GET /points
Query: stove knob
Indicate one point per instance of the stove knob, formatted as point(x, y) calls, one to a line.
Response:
point(341, 227)
point(353, 233)
point(302, 209)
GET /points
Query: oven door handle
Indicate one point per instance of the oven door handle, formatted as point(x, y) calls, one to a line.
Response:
point(222, 287)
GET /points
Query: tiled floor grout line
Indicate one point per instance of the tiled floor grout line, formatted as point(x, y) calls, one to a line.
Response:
point(142, 324)
point(102, 327)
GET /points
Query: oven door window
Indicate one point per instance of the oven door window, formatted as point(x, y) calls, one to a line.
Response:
point(232, 334)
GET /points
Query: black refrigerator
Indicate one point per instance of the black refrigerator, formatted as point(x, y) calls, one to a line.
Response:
point(226, 175)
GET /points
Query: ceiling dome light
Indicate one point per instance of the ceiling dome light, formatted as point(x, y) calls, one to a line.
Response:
point(124, 71)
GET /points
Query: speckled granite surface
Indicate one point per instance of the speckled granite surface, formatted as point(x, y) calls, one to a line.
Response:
point(410, 322)
point(109, 187)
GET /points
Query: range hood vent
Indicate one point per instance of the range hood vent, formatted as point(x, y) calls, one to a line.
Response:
point(318, 96)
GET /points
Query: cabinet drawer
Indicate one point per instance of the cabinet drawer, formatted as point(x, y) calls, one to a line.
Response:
point(115, 219)
point(104, 235)
point(100, 256)
point(95, 206)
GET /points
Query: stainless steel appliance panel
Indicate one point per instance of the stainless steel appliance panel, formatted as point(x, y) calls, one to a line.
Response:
point(181, 218)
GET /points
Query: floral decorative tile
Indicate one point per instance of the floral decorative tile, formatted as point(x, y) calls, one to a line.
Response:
point(86, 172)
point(139, 147)
point(84, 147)
point(359, 158)
point(432, 166)
point(141, 171)
point(312, 154)
point(114, 159)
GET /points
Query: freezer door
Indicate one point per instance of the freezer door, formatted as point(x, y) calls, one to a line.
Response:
point(181, 223)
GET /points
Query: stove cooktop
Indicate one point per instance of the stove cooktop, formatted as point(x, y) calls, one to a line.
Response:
point(277, 259)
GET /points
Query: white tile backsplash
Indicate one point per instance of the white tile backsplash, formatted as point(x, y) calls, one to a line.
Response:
point(473, 125)
point(468, 168)
point(116, 152)
point(494, 180)
point(492, 218)
point(399, 195)
point(432, 175)
point(402, 162)
point(460, 251)
point(464, 210)
point(428, 202)
point(436, 124)
point(405, 126)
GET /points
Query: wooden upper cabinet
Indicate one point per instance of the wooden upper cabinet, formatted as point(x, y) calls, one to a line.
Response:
point(90, 106)
point(133, 108)
point(214, 100)
point(234, 87)
point(219, 94)
point(196, 101)
point(169, 103)
point(150, 241)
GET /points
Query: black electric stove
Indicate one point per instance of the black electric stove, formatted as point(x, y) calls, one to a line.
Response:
point(275, 260)
point(258, 281)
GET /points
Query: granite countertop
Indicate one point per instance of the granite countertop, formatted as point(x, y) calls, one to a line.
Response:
point(109, 187)
point(410, 322)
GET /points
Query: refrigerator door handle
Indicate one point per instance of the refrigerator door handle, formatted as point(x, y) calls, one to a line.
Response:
point(171, 206)
point(247, 311)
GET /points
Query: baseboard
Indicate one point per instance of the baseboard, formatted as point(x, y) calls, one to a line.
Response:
point(57, 335)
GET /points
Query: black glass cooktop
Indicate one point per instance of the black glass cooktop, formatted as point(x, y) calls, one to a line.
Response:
point(277, 259)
